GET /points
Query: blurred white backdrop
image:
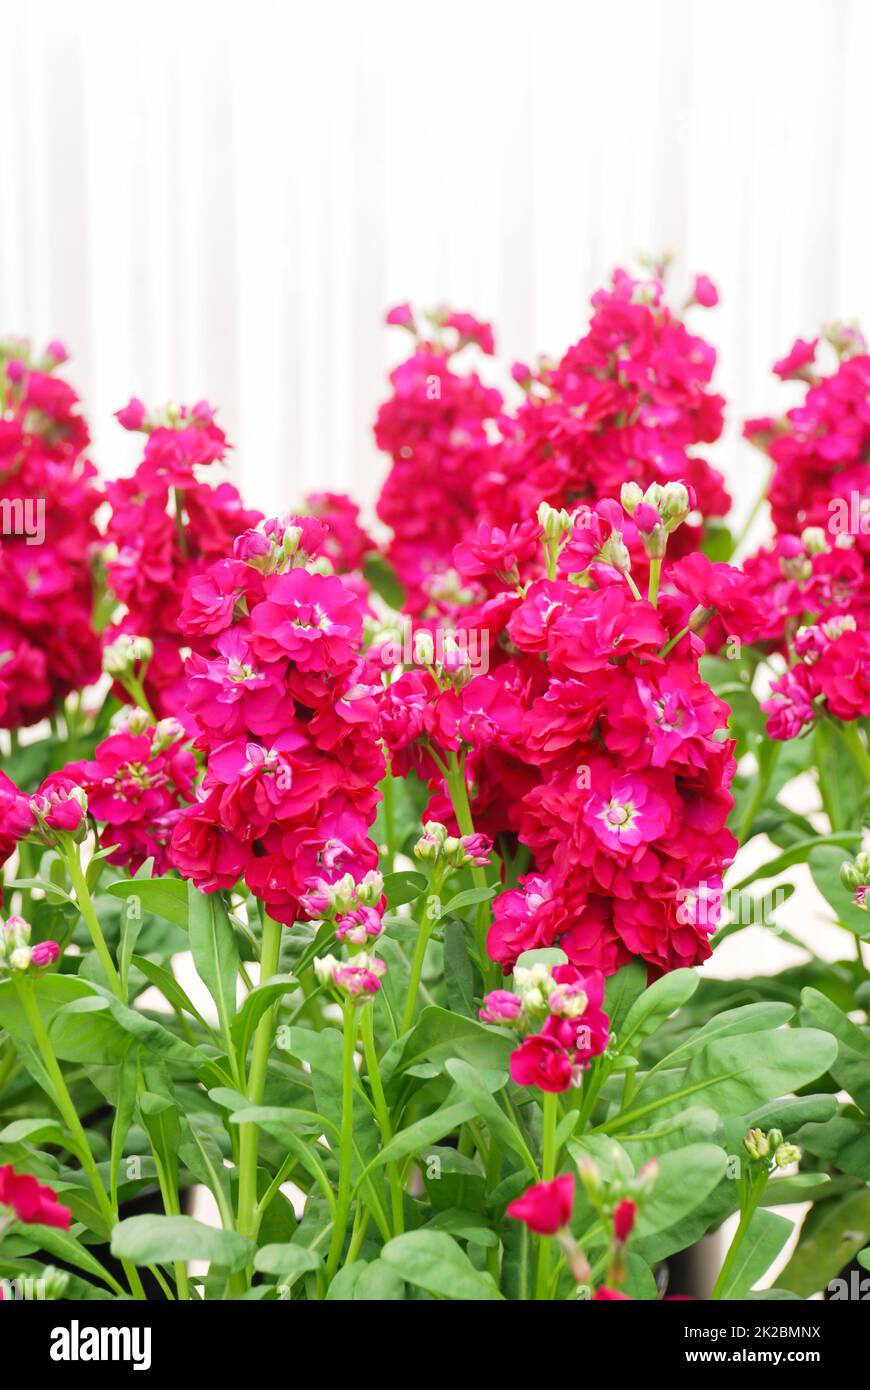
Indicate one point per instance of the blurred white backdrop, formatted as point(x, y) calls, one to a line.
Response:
point(221, 200)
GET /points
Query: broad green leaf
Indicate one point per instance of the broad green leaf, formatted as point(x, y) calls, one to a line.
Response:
point(621, 991)
point(656, 1004)
point(826, 1015)
point(825, 863)
point(439, 1034)
point(433, 1261)
point(459, 978)
point(469, 897)
point(169, 987)
point(763, 1241)
point(686, 1176)
point(377, 1283)
point(164, 897)
point(404, 887)
point(833, 1233)
point(148, 1240)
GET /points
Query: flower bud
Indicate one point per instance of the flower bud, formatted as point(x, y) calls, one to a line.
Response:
point(786, 1154)
point(44, 953)
point(325, 968)
point(849, 876)
point(814, 540)
point(631, 496)
point(501, 1006)
point(590, 1176)
point(555, 522)
point(756, 1144)
point(370, 888)
point(424, 648)
point(20, 958)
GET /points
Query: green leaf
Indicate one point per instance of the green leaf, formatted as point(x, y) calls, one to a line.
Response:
point(258, 1001)
point(169, 987)
point(378, 1283)
point(686, 1177)
point(439, 1034)
point(468, 898)
point(215, 951)
point(833, 1020)
point(825, 865)
point(763, 1241)
point(832, 1235)
point(733, 1075)
point(621, 990)
point(164, 897)
point(404, 887)
point(798, 854)
point(287, 1261)
point(382, 578)
point(416, 1138)
point(458, 970)
point(433, 1261)
point(63, 1245)
point(39, 1131)
point(148, 1240)
point(502, 1129)
point(657, 1003)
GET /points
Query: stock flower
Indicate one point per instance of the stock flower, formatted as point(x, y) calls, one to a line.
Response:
point(168, 529)
point(135, 785)
point(286, 719)
point(30, 1201)
point(546, 1207)
point(49, 494)
point(501, 1006)
point(543, 1062)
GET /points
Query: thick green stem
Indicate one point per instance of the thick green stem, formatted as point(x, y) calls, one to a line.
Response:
point(548, 1172)
point(85, 905)
point(389, 789)
point(382, 1110)
point(249, 1133)
point(345, 1155)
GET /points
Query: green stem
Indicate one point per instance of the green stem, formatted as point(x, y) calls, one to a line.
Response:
point(382, 1110)
point(389, 791)
point(249, 1133)
point(64, 1102)
point(548, 1172)
point(428, 922)
point(458, 789)
point(655, 570)
point(345, 1155)
point(755, 1194)
point(85, 905)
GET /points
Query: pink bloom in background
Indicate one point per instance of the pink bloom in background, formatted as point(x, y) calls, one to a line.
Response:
point(546, 1207)
point(705, 292)
point(30, 1201)
point(542, 1062)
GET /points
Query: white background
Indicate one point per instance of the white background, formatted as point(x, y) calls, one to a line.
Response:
point(221, 200)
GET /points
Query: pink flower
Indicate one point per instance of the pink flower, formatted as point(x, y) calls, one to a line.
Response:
point(310, 618)
point(132, 417)
point(546, 1207)
point(501, 1006)
point(801, 355)
point(524, 919)
point(30, 1201)
point(44, 953)
point(705, 292)
point(541, 1061)
point(358, 926)
point(624, 1216)
point(627, 813)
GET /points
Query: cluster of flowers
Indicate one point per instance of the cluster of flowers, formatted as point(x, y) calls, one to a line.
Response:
point(284, 714)
point(559, 1009)
point(48, 497)
point(607, 757)
point(166, 527)
point(818, 564)
point(435, 429)
point(626, 403)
